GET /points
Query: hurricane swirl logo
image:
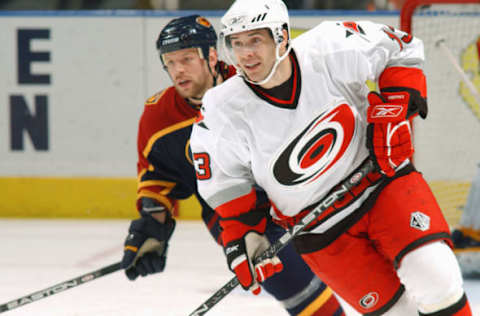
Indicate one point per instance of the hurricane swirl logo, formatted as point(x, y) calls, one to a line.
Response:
point(317, 148)
point(369, 300)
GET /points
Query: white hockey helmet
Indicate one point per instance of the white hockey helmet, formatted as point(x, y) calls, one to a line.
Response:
point(247, 15)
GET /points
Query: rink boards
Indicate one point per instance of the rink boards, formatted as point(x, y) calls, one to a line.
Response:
point(72, 90)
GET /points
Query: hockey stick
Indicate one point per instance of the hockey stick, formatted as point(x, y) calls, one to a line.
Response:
point(328, 201)
point(60, 287)
point(473, 90)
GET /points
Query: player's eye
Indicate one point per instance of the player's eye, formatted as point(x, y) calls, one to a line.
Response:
point(237, 44)
point(256, 40)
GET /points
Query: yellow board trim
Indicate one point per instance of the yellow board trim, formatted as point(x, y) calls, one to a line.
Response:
point(189, 209)
point(68, 197)
point(116, 198)
point(451, 196)
point(77, 198)
point(315, 305)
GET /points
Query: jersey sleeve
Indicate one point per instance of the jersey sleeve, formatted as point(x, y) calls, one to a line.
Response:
point(361, 51)
point(404, 59)
point(153, 185)
point(221, 160)
point(159, 175)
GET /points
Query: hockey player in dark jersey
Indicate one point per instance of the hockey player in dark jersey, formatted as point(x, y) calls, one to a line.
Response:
point(187, 48)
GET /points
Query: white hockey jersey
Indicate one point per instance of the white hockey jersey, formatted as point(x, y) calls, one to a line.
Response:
point(297, 154)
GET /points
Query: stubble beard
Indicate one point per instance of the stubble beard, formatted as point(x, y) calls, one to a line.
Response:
point(199, 88)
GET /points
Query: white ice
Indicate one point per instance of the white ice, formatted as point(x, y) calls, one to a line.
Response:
point(36, 254)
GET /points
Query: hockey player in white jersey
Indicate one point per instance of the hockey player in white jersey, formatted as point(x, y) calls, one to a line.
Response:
point(296, 121)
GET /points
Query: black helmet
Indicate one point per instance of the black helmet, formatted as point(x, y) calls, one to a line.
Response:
point(186, 32)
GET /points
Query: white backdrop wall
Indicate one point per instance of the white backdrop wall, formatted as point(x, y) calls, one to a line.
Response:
point(90, 73)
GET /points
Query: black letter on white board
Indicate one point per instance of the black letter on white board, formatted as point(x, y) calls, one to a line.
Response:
point(26, 56)
point(35, 125)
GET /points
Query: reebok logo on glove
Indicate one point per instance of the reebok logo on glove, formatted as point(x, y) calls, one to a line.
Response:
point(389, 138)
point(386, 111)
point(231, 249)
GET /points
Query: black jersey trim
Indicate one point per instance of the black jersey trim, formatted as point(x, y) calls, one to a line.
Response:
point(451, 310)
point(417, 243)
point(292, 102)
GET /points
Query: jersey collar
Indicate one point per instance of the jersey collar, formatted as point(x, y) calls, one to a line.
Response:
point(285, 95)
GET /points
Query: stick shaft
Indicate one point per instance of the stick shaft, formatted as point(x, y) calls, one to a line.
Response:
point(354, 179)
point(60, 287)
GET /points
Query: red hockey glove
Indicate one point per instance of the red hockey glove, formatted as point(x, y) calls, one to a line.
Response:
point(389, 134)
point(243, 242)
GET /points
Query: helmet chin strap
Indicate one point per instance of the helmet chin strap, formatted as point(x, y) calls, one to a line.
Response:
point(274, 67)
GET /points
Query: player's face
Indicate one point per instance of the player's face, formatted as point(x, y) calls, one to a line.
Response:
point(254, 52)
point(188, 71)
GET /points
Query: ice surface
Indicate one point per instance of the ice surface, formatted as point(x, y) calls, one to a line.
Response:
point(37, 254)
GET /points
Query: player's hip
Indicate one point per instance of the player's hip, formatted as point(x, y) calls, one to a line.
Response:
point(399, 214)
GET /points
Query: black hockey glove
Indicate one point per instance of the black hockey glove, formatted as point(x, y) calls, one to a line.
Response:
point(146, 245)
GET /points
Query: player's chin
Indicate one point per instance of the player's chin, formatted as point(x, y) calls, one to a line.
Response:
point(254, 76)
point(251, 72)
point(184, 90)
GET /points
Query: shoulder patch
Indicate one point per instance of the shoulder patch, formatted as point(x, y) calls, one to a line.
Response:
point(154, 98)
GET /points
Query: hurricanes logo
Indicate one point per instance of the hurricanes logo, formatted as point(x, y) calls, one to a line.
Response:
point(470, 61)
point(369, 300)
point(318, 147)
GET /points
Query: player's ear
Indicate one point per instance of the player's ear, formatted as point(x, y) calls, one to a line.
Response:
point(284, 39)
point(212, 57)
